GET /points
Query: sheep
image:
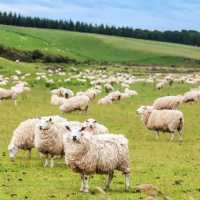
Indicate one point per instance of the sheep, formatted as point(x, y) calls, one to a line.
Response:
point(91, 93)
point(23, 137)
point(168, 102)
point(8, 94)
point(105, 100)
point(75, 103)
point(128, 93)
point(162, 120)
point(108, 87)
point(63, 92)
point(102, 154)
point(56, 100)
point(48, 138)
point(192, 96)
point(91, 125)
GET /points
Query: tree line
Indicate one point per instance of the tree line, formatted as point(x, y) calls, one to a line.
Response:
point(190, 37)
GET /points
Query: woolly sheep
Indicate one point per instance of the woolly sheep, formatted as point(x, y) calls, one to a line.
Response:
point(162, 120)
point(48, 138)
point(23, 137)
point(102, 154)
point(7, 94)
point(167, 102)
point(91, 125)
point(63, 92)
point(75, 103)
point(56, 100)
point(192, 96)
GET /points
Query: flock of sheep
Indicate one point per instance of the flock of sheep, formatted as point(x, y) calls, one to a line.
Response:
point(88, 147)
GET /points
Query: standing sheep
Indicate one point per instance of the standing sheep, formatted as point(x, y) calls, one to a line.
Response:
point(23, 137)
point(75, 103)
point(162, 120)
point(88, 154)
point(48, 138)
point(91, 125)
point(168, 102)
point(7, 94)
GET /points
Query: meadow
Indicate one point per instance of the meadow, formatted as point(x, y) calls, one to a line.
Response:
point(172, 166)
point(98, 48)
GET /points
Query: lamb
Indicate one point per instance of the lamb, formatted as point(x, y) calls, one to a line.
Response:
point(168, 102)
point(23, 137)
point(91, 125)
point(8, 94)
point(162, 120)
point(102, 154)
point(192, 96)
point(75, 103)
point(48, 138)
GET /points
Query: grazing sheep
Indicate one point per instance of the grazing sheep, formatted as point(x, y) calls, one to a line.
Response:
point(7, 94)
point(167, 102)
point(48, 138)
point(75, 103)
point(162, 120)
point(91, 93)
point(63, 92)
point(56, 100)
point(23, 137)
point(91, 125)
point(105, 100)
point(192, 96)
point(102, 154)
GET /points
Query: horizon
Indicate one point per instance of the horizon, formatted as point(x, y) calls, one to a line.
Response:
point(173, 15)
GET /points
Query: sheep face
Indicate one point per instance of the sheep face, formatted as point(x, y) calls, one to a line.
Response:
point(45, 123)
point(12, 150)
point(142, 109)
point(90, 123)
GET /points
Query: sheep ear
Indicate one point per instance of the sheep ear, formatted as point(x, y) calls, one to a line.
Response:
point(68, 128)
point(50, 119)
point(83, 128)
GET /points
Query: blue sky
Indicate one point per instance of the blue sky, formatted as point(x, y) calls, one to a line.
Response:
point(148, 14)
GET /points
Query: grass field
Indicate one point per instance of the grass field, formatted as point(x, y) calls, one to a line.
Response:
point(171, 166)
point(83, 46)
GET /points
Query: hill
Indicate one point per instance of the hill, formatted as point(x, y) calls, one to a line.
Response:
point(83, 46)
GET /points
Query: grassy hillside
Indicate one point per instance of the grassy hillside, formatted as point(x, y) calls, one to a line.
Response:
point(169, 165)
point(82, 46)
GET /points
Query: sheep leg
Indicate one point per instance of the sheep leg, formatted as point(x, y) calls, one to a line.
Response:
point(84, 185)
point(172, 136)
point(46, 162)
point(52, 162)
point(180, 136)
point(157, 135)
point(127, 182)
point(109, 180)
point(29, 153)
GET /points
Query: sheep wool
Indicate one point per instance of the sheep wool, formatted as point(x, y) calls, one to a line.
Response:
point(23, 137)
point(102, 154)
point(167, 102)
point(75, 103)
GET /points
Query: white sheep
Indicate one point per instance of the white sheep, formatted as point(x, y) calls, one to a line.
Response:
point(63, 92)
point(162, 120)
point(102, 154)
point(168, 102)
point(8, 94)
point(23, 137)
point(75, 103)
point(56, 100)
point(91, 126)
point(49, 138)
point(192, 96)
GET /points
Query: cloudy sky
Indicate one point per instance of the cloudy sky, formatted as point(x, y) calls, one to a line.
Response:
point(150, 14)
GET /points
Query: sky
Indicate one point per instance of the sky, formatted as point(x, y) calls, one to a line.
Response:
point(145, 14)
